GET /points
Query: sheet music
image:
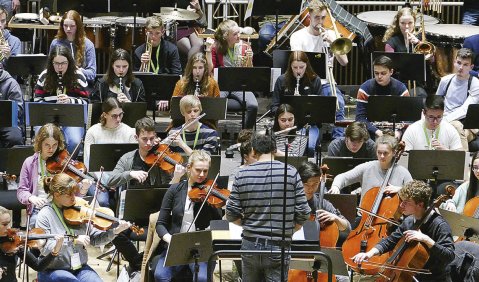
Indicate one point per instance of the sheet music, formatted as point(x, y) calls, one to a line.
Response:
point(275, 73)
point(249, 10)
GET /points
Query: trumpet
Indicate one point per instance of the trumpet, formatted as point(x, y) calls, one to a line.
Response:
point(145, 67)
point(243, 60)
point(3, 42)
point(296, 90)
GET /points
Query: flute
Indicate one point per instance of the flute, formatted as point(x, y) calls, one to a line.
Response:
point(284, 130)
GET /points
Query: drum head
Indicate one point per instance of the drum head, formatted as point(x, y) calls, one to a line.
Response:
point(110, 19)
point(455, 31)
point(95, 23)
point(128, 21)
point(385, 18)
point(27, 16)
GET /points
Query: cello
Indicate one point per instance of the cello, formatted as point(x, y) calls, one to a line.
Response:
point(377, 210)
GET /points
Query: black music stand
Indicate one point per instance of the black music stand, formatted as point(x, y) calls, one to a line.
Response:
point(189, 247)
point(317, 60)
point(215, 108)
point(39, 114)
point(245, 79)
point(407, 66)
point(130, 208)
point(12, 160)
point(321, 265)
point(9, 110)
point(462, 225)
point(215, 167)
point(394, 109)
point(133, 112)
point(107, 155)
point(338, 165)
point(83, 6)
point(312, 109)
point(472, 117)
point(294, 161)
point(26, 64)
point(344, 203)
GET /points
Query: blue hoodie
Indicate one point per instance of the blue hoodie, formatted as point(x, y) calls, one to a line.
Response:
point(14, 42)
point(10, 90)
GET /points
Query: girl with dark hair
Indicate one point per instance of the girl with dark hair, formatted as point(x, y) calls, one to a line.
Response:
point(119, 81)
point(296, 140)
point(63, 83)
point(71, 34)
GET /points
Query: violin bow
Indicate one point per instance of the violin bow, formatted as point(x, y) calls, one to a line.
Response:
point(170, 140)
point(71, 156)
point(92, 212)
point(23, 263)
point(202, 204)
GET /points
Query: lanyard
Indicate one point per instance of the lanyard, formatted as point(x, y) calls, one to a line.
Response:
point(60, 217)
point(43, 170)
point(436, 133)
point(231, 55)
point(157, 68)
point(196, 136)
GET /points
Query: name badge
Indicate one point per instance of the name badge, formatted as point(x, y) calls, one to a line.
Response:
point(75, 261)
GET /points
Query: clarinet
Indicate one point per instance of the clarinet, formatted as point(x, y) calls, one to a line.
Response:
point(60, 88)
point(121, 85)
point(197, 88)
point(296, 90)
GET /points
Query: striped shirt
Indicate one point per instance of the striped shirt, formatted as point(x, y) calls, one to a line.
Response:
point(207, 139)
point(257, 198)
point(77, 95)
point(296, 147)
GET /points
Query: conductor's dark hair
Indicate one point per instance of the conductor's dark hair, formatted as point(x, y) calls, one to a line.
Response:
point(384, 61)
point(434, 102)
point(263, 144)
point(308, 170)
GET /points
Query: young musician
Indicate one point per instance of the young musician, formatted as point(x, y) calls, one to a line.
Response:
point(284, 119)
point(314, 38)
point(371, 174)
point(12, 43)
point(399, 36)
point(355, 144)
point(164, 57)
point(467, 190)
point(460, 90)
point(187, 39)
point(432, 132)
point(229, 51)
point(119, 81)
point(31, 189)
point(197, 136)
point(63, 83)
point(178, 212)
point(71, 34)
point(71, 262)
point(382, 84)
point(434, 234)
point(256, 204)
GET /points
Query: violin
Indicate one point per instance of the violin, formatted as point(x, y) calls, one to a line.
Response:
point(102, 219)
point(15, 239)
point(60, 162)
point(377, 211)
point(162, 156)
point(217, 198)
point(8, 177)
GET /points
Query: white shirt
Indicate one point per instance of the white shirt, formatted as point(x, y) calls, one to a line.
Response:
point(302, 40)
point(415, 137)
point(456, 100)
point(188, 215)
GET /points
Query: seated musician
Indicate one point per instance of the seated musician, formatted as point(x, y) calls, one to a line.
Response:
point(119, 81)
point(246, 152)
point(356, 143)
point(434, 234)
point(63, 83)
point(372, 174)
point(71, 34)
point(432, 132)
point(256, 204)
point(297, 140)
point(460, 90)
point(467, 190)
point(382, 84)
point(9, 255)
point(187, 39)
point(31, 191)
point(10, 89)
point(309, 83)
point(71, 262)
point(196, 81)
point(472, 42)
point(229, 51)
point(164, 57)
point(178, 211)
point(197, 136)
point(399, 36)
point(11, 46)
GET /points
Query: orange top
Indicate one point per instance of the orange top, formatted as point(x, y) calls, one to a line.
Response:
point(212, 91)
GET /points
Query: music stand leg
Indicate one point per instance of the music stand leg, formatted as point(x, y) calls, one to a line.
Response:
point(196, 256)
point(243, 109)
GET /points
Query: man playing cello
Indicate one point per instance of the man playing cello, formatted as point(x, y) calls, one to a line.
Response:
point(434, 233)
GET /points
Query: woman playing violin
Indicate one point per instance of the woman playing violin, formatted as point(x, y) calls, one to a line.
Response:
point(71, 262)
point(435, 233)
point(31, 191)
point(178, 211)
point(8, 261)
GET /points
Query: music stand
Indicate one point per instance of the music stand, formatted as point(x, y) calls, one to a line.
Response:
point(189, 247)
point(107, 155)
point(407, 66)
point(245, 79)
point(38, 114)
point(215, 108)
point(394, 108)
point(462, 225)
point(93, 6)
point(130, 208)
point(472, 117)
point(338, 165)
point(320, 264)
point(344, 203)
point(215, 167)
point(157, 87)
point(12, 160)
point(133, 111)
point(9, 110)
point(26, 64)
point(312, 109)
point(293, 160)
point(317, 60)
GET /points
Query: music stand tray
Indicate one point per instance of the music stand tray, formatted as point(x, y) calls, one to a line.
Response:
point(339, 267)
point(12, 159)
point(136, 205)
point(407, 66)
point(338, 165)
point(60, 114)
point(344, 203)
point(27, 64)
point(312, 109)
point(183, 245)
point(215, 166)
point(215, 108)
point(394, 108)
point(9, 110)
point(294, 161)
point(157, 86)
point(440, 165)
point(317, 61)
point(461, 224)
point(133, 112)
point(107, 155)
point(244, 79)
point(268, 7)
point(472, 117)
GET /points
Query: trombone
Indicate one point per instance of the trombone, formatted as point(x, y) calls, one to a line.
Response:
point(342, 45)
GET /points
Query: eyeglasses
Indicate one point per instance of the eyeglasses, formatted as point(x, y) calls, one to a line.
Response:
point(115, 116)
point(432, 118)
point(475, 168)
point(60, 64)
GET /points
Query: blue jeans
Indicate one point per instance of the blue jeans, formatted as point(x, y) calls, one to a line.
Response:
point(86, 273)
point(166, 273)
point(262, 267)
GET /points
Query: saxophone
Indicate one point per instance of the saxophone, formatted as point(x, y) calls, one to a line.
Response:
point(3, 42)
point(145, 67)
